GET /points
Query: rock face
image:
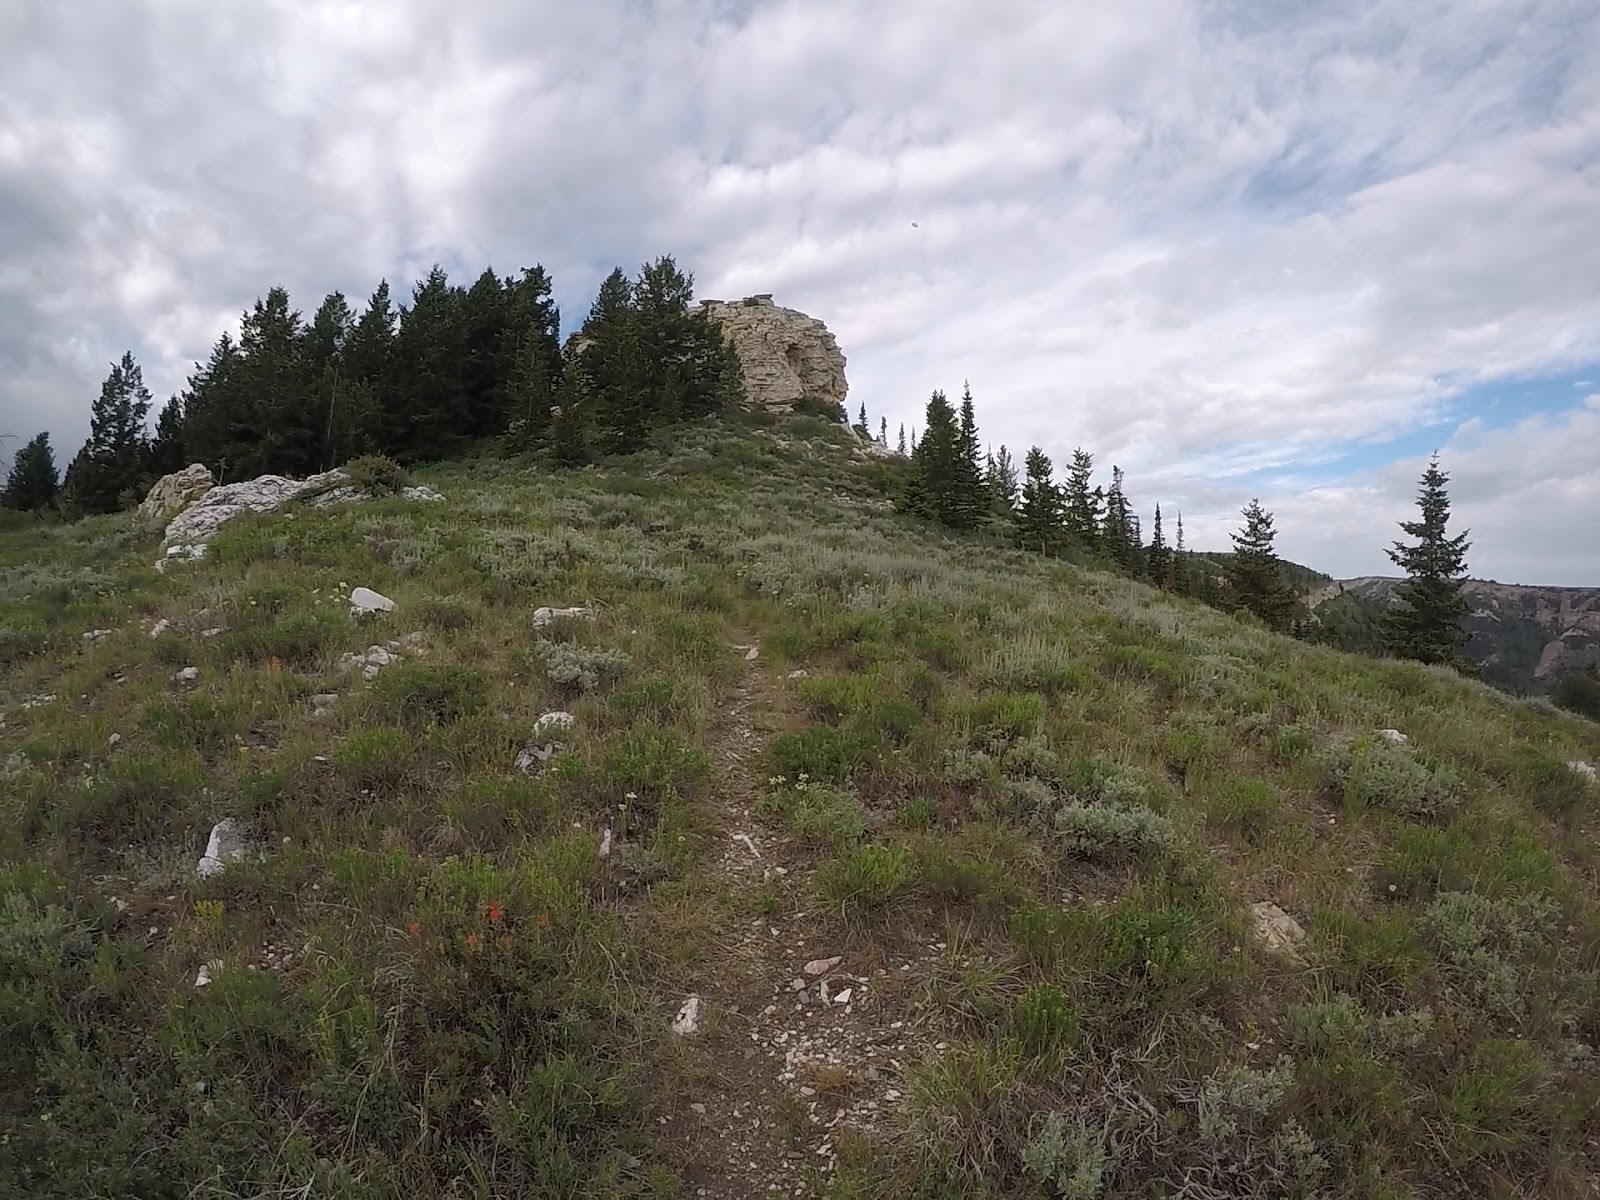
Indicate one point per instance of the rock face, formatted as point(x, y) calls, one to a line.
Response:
point(787, 356)
point(176, 492)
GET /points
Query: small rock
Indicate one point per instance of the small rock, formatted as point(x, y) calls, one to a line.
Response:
point(553, 720)
point(1277, 930)
point(226, 844)
point(821, 966)
point(418, 492)
point(94, 635)
point(798, 673)
point(365, 600)
point(160, 627)
point(533, 756)
point(378, 656)
point(211, 633)
point(699, 1108)
point(1393, 736)
point(688, 1019)
point(188, 675)
point(844, 996)
point(605, 852)
point(544, 615)
point(752, 654)
point(114, 740)
point(1586, 770)
point(203, 976)
point(324, 699)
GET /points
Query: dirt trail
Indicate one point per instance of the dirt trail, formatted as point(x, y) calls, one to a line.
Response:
point(782, 1071)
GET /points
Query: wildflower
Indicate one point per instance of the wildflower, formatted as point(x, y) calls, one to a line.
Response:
point(495, 912)
point(472, 941)
point(544, 921)
point(415, 928)
point(275, 665)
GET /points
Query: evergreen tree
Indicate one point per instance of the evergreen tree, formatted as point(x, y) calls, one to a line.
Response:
point(533, 396)
point(569, 439)
point(327, 383)
point(861, 421)
point(32, 485)
point(1000, 482)
point(166, 448)
point(1180, 562)
point(934, 488)
point(427, 412)
point(1119, 531)
point(1159, 557)
point(1255, 574)
point(1039, 512)
point(1426, 625)
point(110, 468)
point(1081, 509)
point(281, 430)
point(883, 432)
point(970, 500)
point(901, 448)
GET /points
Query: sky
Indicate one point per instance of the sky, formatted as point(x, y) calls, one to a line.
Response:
point(1284, 250)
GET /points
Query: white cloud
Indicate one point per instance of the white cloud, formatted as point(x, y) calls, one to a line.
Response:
point(1206, 241)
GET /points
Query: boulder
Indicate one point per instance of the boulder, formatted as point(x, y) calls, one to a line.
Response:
point(552, 721)
point(189, 675)
point(1393, 736)
point(227, 844)
point(365, 600)
point(787, 356)
point(200, 521)
point(176, 492)
point(1585, 770)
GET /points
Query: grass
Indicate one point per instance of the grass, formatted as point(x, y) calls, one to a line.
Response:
point(1090, 781)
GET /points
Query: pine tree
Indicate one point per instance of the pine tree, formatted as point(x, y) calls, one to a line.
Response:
point(569, 438)
point(532, 396)
point(1180, 562)
point(883, 432)
point(166, 447)
point(861, 421)
point(1426, 625)
point(1039, 512)
point(109, 469)
point(1255, 575)
point(1159, 557)
point(934, 488)
point(970, 502)
point(427, 412)
point(1001, 484)
point(1082, 514)
point(901, 448)
point(32, 485)
point(1119, 535)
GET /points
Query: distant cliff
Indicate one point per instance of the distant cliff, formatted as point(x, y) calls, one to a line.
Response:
point(1524, 638)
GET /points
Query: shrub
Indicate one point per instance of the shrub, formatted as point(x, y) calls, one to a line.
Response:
point(1486, 946)
point(1242, 805)
point(1044, 1022)
point(1579, 693)
point(421, 695)
point(821, 753)
point(868, 879)
point(1070, 1158)
point(578, 667)
point(376, 475)
point(1371, 772)
point(1112, 832)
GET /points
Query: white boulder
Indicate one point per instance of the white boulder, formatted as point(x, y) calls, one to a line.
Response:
point(544, 615)
point(365, 600)
point(176, 492)
point(227, 844)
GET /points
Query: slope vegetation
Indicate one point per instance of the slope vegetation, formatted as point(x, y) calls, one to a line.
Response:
point(874, 862)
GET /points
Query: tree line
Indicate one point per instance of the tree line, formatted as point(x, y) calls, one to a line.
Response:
point(951, 481)
point(414, 382)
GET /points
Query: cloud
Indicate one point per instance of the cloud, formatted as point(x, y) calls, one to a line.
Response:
point(1219, 244)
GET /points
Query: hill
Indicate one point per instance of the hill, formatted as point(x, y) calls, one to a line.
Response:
point(866, 861)
point(1523, 639)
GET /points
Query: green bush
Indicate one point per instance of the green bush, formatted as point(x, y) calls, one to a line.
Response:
point(376, 475)
point(1112, 832)
point(815, 812)
point(1579, 692)
point(1370, 772)
point(578, 668)
point(1487, 947)
point(822, 753)
point(867, 880)
point(421, 695)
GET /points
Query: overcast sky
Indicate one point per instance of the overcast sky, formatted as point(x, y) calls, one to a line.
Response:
point(1239, 248)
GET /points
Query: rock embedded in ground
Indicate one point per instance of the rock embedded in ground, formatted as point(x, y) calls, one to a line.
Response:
point(1393, 737)
point(94, 635)
point(160, 627)
point(532, 757)
point(188, 675)
point(544, 615)
point(1584, 769)
point(227, 844)
point(1277, 930)
point(552, 721)
point(821, 966)
point(688, 1019)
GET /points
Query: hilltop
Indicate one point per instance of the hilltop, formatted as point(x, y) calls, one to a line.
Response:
point(696, 825)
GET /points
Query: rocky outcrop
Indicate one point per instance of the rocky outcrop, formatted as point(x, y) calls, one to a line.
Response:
point(787, 356)
point(212, 507)
point(176, 492)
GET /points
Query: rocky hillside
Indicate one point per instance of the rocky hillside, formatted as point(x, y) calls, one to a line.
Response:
point(692, 825)
point(1524, 639)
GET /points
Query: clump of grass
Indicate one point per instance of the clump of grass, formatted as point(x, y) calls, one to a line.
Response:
point(815, 812)
point(866, 881)
point(376, 474)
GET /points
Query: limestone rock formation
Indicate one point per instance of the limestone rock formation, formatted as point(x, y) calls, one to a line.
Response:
point(174, 493)
point(787, 356)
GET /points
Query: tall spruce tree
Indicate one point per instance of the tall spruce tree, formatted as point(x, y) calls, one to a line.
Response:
point(1002, 485)
point(427, 413)
point(883, 432)
point(934, 488)
point(970, 501)
point(1159, 557)
point(1255, 574)
point(901, 448)
point(1426, 624)
point(569, 424)
point(166, 447)
point(1180, 562)
point(111, 466)
point(1082, 514)
point(1119, 532)
point(32, 485)
point(1039, 511)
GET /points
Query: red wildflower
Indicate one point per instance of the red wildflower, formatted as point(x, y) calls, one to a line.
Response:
point(472, 941)
point(416, 928)
point(495, 912)
point(543, 920)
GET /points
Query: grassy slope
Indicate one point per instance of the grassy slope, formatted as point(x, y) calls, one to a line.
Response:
point(1065, 789)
